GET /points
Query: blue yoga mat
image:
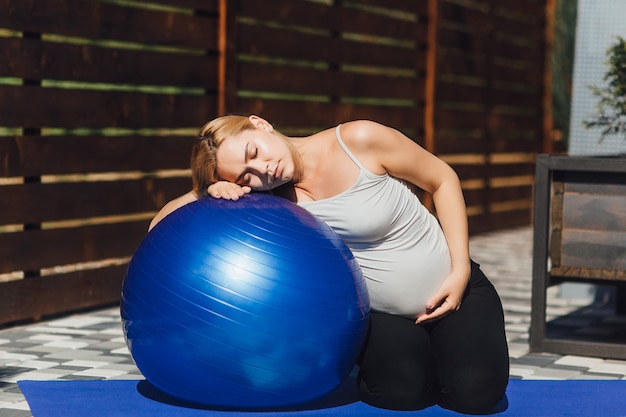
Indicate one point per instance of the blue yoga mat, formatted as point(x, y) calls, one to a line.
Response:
point(112, 398)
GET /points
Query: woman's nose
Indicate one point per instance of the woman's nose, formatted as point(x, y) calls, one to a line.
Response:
point(259, 166)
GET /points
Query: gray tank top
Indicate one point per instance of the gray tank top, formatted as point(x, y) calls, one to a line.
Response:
point(397, 242)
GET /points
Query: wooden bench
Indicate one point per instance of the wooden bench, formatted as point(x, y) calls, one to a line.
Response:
point(579, 236)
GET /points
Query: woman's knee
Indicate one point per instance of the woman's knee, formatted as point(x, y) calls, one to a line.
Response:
point(476, 392)
point(395, 393)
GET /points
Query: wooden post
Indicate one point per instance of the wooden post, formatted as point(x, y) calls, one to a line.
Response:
point(227, 71)
point(34, 132)
point(430, 83)
point(548, 121)
point(431, 77)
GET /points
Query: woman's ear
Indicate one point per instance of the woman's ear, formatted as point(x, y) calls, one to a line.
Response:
point(261, 123)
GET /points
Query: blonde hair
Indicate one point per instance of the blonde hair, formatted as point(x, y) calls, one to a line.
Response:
point(204, 151)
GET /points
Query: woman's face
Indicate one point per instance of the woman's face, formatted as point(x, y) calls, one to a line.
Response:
point(256, 158)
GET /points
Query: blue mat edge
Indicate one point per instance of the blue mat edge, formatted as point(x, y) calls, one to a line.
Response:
point(110, 398)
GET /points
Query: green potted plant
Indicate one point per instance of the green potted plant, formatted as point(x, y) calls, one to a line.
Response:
point(611, 108)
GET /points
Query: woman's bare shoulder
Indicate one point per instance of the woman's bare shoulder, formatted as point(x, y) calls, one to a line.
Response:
point(363, 133)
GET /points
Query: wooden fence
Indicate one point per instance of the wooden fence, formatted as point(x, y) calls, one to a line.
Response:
point(99, 100)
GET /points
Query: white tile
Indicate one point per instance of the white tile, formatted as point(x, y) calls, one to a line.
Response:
point(120, 339)
point(130, 377)
point(38, 364)
point(79, 321)
point(16, 356)
point(521, 371)
point(64, 330)
point(32, 376)
point(550, 373)
point(85, 364)
point(609, 367)
point(100, 373)
point(112, 331)
point(20, 405)
point(121, 351)
point(73, 354)
point(581, 361)
point(597, 377)
point(517, 350)
point(49, 337)
point(67, 344)
point(519, 328)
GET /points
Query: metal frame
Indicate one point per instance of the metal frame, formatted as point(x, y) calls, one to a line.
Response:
point(546, 166)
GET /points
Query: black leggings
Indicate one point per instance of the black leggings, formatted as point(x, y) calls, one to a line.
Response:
point(460, 362)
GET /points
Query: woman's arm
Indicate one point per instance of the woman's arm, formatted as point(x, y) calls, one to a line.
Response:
point(172, 206)
point(220, 189)
point(404, 159)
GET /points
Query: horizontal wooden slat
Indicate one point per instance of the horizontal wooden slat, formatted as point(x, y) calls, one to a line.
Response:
point(574, 346)
point(259, 40)
point(584, 274)
point(33, 299)
point(473, 43)
point(304, 13)
point(528, 30)
point(514, 193)
point(533, 10)
point(614, 185)
point(475, 196)
point(499, 19)
point(469, 172)
point(471, 120)
point(35, 59)
point(593, 249)
point(454, 92)
point(459, 145)
point(84, 108)
point(497, 172)
point(491, 196)
point(40, 155)
point(210, 6)
point(294, 80)
point(594, 211)
point(95, 20)
point(449, 91)
point(455, 14)
point(483, 95)
point(292, 113)
point(381, 25)
point(36, 249)
point(512, 170)
point(35, 202)
point(328, 17)
point(494, 221)
point(517, 145)
point(450, 63)
point(585, 168)
point(412, 6)
point(604, 176)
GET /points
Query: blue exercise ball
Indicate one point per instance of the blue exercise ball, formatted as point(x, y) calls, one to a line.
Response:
point(244, 304)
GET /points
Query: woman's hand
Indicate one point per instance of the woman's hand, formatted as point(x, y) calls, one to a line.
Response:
point(447, 298)
point(227, 190)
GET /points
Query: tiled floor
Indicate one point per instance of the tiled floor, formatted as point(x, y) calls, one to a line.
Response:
point(91, 346)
